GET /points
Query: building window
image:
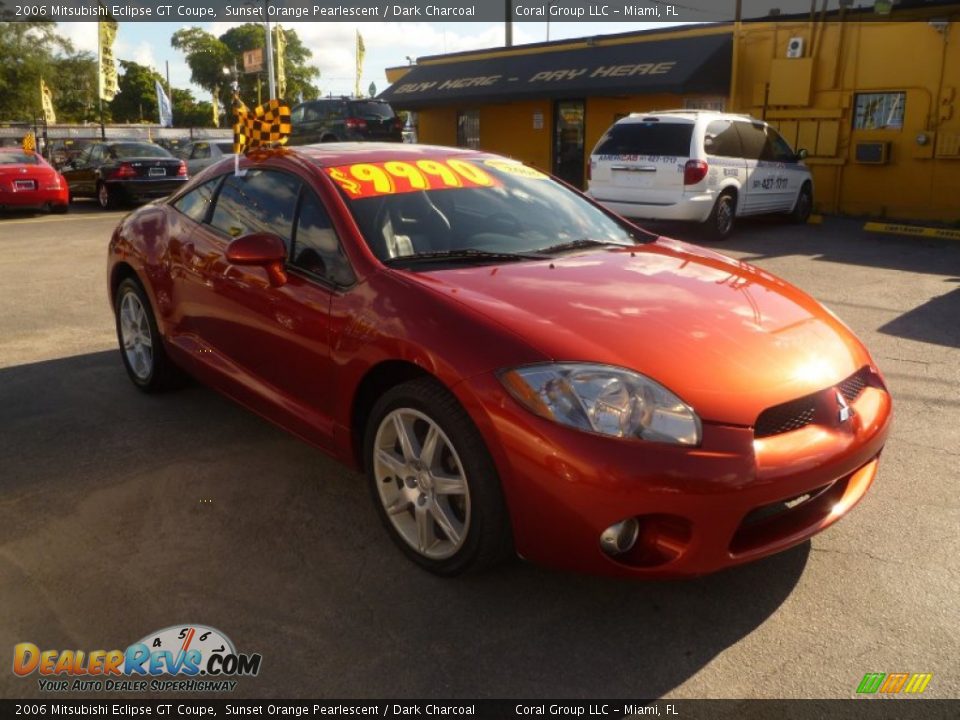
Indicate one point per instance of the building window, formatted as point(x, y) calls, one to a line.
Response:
point(468, 129)
point(879, 111)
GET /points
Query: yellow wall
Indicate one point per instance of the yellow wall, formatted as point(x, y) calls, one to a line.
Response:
point(814, 108)
point(811, 100)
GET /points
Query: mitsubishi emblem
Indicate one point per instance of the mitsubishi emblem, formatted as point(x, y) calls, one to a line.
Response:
point(846, 412)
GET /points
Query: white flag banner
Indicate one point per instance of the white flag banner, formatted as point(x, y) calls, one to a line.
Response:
point(164, 107)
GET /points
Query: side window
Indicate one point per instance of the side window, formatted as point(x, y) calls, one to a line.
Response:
point(96, 155)
point(196, 203)
point(752, 138)
point(83, 159)
point(201, 151)
point(316, 248)
point(260, 201)
point(721, 139)
point(778, 149)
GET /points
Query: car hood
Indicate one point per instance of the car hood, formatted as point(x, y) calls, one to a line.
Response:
point(730, 339)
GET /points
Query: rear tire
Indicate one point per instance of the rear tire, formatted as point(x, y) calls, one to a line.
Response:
point(141, 346)
point(440, 500)
point(106, 198)
point(803, 206)
point(722, 218)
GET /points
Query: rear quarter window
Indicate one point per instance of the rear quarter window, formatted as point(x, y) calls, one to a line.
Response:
point(655, 138)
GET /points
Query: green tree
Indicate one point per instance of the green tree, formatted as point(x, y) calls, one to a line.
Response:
point(137, 99)
point(189, 112)
point(28, 51)
point(208, 55)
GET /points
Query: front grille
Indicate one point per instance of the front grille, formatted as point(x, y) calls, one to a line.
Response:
point(784, 418)
point(801, 412)
point(854, 385)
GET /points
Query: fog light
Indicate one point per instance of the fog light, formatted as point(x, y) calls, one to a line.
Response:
point(620, 537)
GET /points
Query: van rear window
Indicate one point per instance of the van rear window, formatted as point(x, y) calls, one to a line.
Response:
point(656, 138)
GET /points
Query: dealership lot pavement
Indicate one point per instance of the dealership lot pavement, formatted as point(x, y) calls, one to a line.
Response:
point(121, 514)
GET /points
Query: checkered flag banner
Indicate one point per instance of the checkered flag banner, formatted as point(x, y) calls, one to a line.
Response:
point(29, 143)
point(267, 125)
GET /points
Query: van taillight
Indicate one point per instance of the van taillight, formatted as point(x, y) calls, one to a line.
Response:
point(694, 171)
point(355, 123)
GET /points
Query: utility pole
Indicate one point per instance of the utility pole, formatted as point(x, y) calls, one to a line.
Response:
point(271, 80)
point(508, 25)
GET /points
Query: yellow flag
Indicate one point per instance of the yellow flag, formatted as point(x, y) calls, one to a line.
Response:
point(107, 33)
point(361, 51)
point(281, 70)
point(29, 143)
point(265, 126)
point(46, 102)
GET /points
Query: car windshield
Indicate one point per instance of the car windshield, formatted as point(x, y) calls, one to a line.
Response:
point(646, 138)
point(469, 210)
point(137, 150)
point(18, 158)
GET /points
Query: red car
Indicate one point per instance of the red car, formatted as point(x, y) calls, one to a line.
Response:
point(29, 181)
point(516, 369)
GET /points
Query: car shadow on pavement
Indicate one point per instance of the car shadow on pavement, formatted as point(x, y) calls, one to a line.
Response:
point(125, 513)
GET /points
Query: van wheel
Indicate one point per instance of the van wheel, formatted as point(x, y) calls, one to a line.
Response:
point(803, 207)
point(720, 223)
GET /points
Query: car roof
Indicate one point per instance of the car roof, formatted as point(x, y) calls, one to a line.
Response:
point(333, 154)
point(690, 116)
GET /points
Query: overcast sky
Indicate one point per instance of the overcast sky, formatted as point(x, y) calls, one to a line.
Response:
point(387, 44)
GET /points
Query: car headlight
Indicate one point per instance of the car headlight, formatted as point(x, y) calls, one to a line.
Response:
point(604, 399)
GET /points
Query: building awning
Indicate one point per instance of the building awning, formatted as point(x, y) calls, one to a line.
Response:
point(686, 65)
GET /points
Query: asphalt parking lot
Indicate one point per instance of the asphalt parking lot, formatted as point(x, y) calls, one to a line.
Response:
point(121, 514)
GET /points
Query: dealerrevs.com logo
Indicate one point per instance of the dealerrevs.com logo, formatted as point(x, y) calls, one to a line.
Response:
point(200, 658)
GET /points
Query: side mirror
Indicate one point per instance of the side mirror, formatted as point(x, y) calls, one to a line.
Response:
point(263, 249)
point(802, 154)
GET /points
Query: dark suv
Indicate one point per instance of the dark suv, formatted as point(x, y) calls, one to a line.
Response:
point(340, 119)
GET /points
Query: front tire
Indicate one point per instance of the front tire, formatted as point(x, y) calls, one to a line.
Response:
point(433, 481)
point(141, 347)
point(722, 218)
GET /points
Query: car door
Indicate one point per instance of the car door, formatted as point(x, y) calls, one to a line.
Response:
point(790, 172)
point(80, 173)
point(273, 340)
point(724, 151)
point(760, 195)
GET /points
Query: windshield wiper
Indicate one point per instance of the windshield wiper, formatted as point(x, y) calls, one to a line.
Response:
point(580, 243)
point(466, 254)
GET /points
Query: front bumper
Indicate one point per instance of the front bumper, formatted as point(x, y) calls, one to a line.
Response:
point(692, 208)
point(700, 509)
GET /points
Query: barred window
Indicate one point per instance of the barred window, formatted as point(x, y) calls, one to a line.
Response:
point(468, 129)
point(879, 111)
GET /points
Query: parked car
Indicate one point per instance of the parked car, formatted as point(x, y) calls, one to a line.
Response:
point(340, 119)
point(700, 166)
point(176, 146)
point(200, 154)
point(63, 151)
point(27, 180)
point(124, 171)
point(515, 368)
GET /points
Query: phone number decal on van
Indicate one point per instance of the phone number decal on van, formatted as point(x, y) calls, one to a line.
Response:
point(666, 159)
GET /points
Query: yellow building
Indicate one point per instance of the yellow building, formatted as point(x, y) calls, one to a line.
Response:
point(874, 102)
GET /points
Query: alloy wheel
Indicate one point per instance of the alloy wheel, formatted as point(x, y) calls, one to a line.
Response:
point(135, 336)
point(421, 483)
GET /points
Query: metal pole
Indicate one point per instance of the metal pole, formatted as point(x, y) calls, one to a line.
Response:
point(508, 24)
point(169, 89)
point(271, 80)
point(103, 130)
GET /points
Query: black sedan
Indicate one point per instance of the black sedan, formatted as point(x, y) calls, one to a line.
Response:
point(124, 171)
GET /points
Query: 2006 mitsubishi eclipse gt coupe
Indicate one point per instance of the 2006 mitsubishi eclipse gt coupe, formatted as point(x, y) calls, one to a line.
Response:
point(515, 369)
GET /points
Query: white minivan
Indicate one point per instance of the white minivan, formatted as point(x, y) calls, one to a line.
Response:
point(701, 166)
